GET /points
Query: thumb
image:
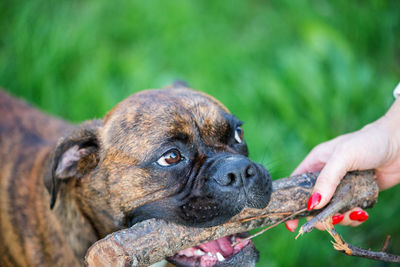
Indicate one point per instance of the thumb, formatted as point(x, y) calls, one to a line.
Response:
point(329, 178)
point(291, 225)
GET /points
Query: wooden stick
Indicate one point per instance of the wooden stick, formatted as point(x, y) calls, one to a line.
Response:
point(153, 240)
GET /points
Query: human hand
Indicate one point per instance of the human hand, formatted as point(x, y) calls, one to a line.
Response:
point(376, 146)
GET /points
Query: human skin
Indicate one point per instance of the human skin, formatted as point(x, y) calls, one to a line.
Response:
point(375, 146)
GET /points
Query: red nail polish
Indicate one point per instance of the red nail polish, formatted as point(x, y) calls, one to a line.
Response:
point(359, 215)
point(337, 218)
point(313, 201)
point(287, 227)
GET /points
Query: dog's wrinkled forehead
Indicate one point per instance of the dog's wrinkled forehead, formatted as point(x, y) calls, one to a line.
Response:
point(162, 115)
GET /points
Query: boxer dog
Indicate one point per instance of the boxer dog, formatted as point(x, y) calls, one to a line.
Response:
point(174, 154)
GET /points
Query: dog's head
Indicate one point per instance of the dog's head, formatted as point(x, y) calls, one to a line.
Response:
point(174, 154)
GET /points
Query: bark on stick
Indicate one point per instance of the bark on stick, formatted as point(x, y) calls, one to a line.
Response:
point(153, 240)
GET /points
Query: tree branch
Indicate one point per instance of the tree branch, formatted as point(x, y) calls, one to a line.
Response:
point(341, 245)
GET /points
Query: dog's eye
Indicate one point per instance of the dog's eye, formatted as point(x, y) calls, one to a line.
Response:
point(171, 157)
point(239, 134)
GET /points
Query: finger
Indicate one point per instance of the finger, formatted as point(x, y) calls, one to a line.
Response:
point(337, 218)
point(318, 225)
point(354, 217)
point(311, 163)
point(309, 166)
point(291, 225)
point(328, 180)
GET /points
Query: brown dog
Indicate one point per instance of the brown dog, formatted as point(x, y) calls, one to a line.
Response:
point(174, 154)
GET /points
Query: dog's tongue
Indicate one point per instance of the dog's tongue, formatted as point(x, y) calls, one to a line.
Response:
point(210, 253)
point(222, 245)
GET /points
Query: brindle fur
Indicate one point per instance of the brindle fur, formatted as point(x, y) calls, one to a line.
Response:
point(93, 196)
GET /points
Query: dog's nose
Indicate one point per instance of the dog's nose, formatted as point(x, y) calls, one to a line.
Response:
point(235, 172)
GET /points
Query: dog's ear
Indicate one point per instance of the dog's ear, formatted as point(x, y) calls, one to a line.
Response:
point(74, 156)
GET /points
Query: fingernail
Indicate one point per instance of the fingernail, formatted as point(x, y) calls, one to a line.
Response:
point(359, 215)
point(313, 201)
point(290, 229)
point(337, 218)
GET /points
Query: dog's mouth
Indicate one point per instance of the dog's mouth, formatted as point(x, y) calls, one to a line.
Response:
point(231, 250)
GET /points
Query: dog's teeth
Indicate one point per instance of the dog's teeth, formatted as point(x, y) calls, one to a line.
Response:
point(189, 252)
point(233, 239)
point(210, 254)
point(198, 252)
point(220, 257)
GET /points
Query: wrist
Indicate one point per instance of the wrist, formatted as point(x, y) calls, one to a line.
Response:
point(390, 123)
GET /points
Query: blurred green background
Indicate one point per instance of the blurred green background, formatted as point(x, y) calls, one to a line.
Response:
point(297, 72)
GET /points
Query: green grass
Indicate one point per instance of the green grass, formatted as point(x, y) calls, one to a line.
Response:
point(297, 72)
